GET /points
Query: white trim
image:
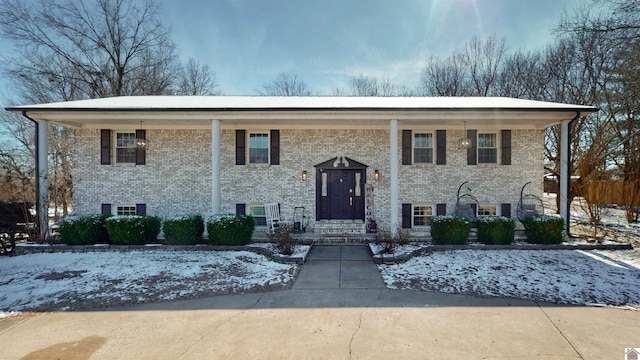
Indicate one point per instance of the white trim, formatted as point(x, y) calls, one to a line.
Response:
point(413, 147)
point(215, 166)
point(497, 147)
point(496, 212)
point(114, 208)
point(248, 208)
point(393, 177)
point(248, 147)
point(564, 170)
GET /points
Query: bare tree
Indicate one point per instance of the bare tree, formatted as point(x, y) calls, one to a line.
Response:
point(197, 79)
point(362, 85)
point(483, 60)
point(92, 48)
point(285, 84)
point(444, 77)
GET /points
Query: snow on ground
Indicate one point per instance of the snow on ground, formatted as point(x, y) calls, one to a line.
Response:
point(557, 276)
point(64, 281)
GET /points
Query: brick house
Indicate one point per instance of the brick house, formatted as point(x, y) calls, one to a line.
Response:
point(398, 160)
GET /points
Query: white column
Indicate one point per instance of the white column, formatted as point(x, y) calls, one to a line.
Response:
point(393, 176)
point(563, 181)
point(42, 200)
point(215, 166)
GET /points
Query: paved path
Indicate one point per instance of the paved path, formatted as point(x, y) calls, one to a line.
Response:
point(339, 267)
point(337, 309)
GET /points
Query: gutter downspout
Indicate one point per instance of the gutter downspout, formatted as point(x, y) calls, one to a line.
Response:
point(565, 171)
point(42, 203)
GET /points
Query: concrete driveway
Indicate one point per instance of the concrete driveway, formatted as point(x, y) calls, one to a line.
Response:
point(327, 316)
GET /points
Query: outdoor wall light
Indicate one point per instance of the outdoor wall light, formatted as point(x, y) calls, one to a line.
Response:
point(305, 175)
point(465, 142)
point(376, 175)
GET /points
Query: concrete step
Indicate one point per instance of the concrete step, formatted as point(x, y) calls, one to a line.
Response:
point(340, 227)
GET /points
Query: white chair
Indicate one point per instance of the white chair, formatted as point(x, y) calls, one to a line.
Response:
point(272, 212)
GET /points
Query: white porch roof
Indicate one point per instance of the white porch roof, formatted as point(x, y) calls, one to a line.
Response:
point(198, 111)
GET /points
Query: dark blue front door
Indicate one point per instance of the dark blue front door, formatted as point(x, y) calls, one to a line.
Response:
point(341, 190)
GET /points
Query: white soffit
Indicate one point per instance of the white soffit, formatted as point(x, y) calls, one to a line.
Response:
point(197, 111)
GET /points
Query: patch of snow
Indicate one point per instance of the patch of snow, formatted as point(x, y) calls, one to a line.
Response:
point(88, 280)
point(557, 276)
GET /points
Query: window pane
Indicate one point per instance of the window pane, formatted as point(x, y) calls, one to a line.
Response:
point(126, 210)
point(423, 148)
point(422, 155)
point(258, 148)
point(486, 210)
point(126, 147)
point(488, 156)
point(487, 140)
point(422, 215)
point(259, 214)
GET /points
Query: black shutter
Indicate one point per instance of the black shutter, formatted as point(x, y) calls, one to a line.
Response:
point(441, 147)
point(406, 216)
point(105, 209)
point(406, 147)
point(274, 138)
point(141, 209)
point(506, 147)
point(141, 152)
point(441, 209)
point(105, 147)
point(241, 151)
point(472, 158)
point(474, 207)
point(505, 210)
point(241, 209)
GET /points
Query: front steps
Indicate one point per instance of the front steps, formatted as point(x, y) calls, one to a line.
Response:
point(339, 227)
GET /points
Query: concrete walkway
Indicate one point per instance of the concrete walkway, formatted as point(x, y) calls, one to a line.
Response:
point(337, 309)
point(339, 267)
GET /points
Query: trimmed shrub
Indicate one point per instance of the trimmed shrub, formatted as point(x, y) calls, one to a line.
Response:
point(495, 230)
point(544, 229)
point(449, 230)
point(183, 230)
point(84, 230)
point(230, 229)
point(133, 229)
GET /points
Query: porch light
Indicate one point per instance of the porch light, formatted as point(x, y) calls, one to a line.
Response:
point(305, 175)
point(376, 175)
point(465, 142)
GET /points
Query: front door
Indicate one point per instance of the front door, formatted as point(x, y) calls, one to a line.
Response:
point(340, 189)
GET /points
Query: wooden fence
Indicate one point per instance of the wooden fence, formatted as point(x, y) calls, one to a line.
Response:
point(625, 193)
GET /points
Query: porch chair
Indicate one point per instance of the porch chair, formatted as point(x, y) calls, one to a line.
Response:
point(272, 212)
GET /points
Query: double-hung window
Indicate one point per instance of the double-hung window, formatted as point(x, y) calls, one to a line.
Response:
point(422, 215)
point(487, 210)
point(126, 147)
point(423, 148)
point(259, 214)
point(258, 148)
point(126, 210)
point(487, 148)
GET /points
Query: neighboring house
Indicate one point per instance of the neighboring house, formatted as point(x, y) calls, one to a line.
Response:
point(234, 154)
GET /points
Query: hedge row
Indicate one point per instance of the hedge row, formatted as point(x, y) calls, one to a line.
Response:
point(140, 230)
point(496, 230)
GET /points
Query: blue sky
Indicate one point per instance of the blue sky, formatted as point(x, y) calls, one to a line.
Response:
point(325, 42)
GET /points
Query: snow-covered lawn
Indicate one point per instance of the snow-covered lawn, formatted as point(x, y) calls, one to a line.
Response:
point(97, 279)
point(558, 276)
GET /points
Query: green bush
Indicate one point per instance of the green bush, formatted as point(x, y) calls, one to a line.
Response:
point(230, 229)
point(133, 229)
point(495, 230)
point(449, 230)
point(183, 230)
point(84, 230)
point(544, 229)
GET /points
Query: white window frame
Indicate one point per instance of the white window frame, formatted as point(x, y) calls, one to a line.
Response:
point(494, 148)
point(414, 147)
point(115, 141)
point(124, 210)
point(250, 211)
point(414, 216)
point(268, 137)
point(492, 210)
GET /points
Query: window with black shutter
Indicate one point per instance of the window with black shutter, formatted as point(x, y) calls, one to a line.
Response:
point(406, 147)
point(275, 147)
point(441, 147)
point(141, 151)
point(506, 147)
point(406, 216)
point(472, 157)
point(240, 147)
point(105, 147)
